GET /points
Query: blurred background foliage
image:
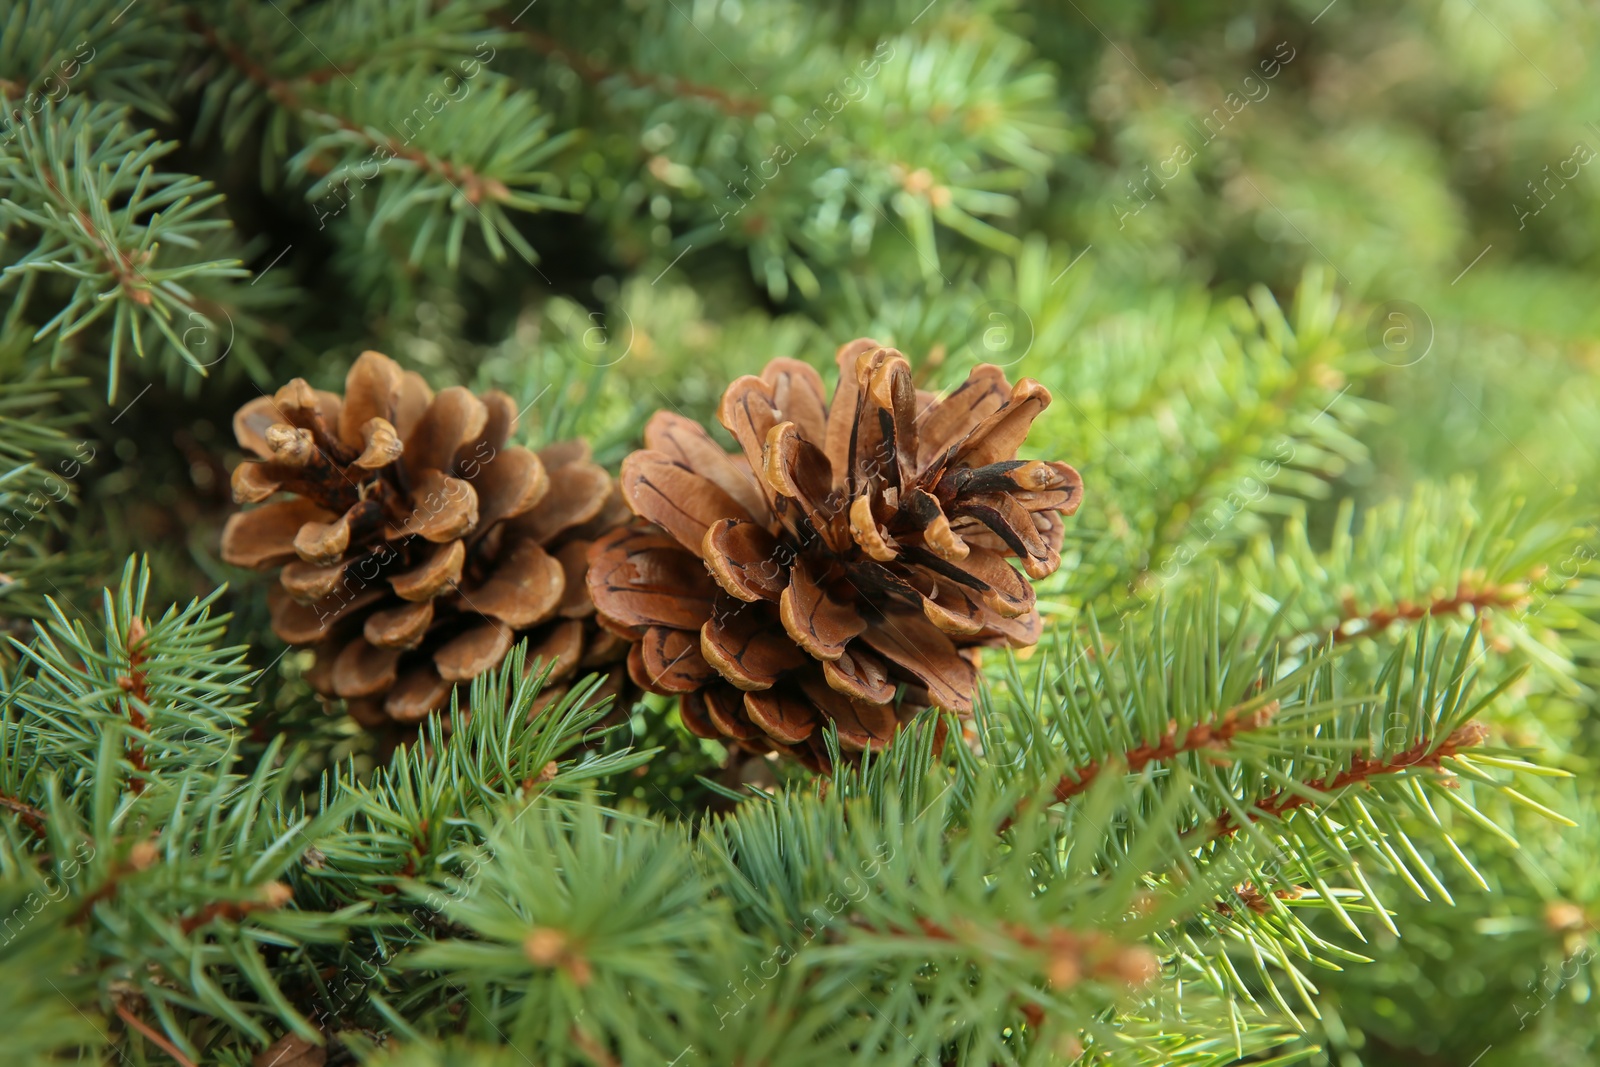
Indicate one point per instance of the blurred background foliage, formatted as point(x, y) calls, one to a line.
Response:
point(1298, 273)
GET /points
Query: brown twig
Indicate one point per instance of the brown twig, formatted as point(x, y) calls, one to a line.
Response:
point(166, 1046)
point(1214, 735)
point(1362, 769)
point(30, 816)
point(133, 683)
point(1257, 901)
point(1477, 597)
point(1206, 735)
point(1070, 955)
point(275, 896)
point(141, 857)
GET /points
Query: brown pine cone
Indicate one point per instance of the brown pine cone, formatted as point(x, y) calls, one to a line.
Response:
point(416, 546)
point(846, 566)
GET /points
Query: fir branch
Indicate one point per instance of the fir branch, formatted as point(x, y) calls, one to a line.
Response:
point(122, 265)
point(109, 50)
point(1220, 412)
point(1445, 548)
point(1252, 897)
point(595, 72)
point(141, 857)
point(1480, 597)
point(434, 174)
point(475, 187)
point(1068, 956)
point(274, 895)
point(1312, 374)
point(30, 816)
point(82, 179)
point(1215, 734)
point(1427, 754)
point(133, 684)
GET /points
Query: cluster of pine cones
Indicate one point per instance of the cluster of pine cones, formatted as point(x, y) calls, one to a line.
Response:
point(844, 566)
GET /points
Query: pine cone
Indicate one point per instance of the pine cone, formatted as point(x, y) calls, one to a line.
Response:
point(416, 547)
point(846, 566)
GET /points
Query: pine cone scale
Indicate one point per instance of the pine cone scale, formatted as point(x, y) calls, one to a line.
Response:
point(860, 674)
point(944, 425)
point(818, 623)
point(925, 652)
point(785, 718)
point(644, 579)
point(418, 692)
point(740, 642)
point(468, 655)
point(1000, 435)
point(576, 494)
point(510, 486)
point(400, 627)
point(562, 649)
point(798, 395)
point(573, 558)
point(680, 501)
point(525, 589)
point(861, 725)
point(454, 418)
point(367, 392)
point(430, 577)
point(669, 661)
point(687, 444)
point(726, 708)
point(740, 556)
point(796, 471)
point(839, 438)
point(363, 669)
point(749, 413)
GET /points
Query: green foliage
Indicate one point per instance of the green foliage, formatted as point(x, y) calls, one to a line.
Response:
point(38, 468)
point(1301, 770)
point(68, 168)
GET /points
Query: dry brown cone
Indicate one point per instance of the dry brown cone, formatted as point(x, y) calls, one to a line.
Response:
point(846, 566)
point(416, 546)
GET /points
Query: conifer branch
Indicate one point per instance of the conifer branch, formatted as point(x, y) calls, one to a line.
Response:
point(1251, 896)
point(1069, 956)
point(27, 814)
point(133, 684)
point(1480, 597)
point(80, 183)
point(274, 895)
point(1307, 374)
point(1215, 734)
point(1425, 755)
point(141, 857)
point(595, 72)
point(475, 187)
point(122, 265)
